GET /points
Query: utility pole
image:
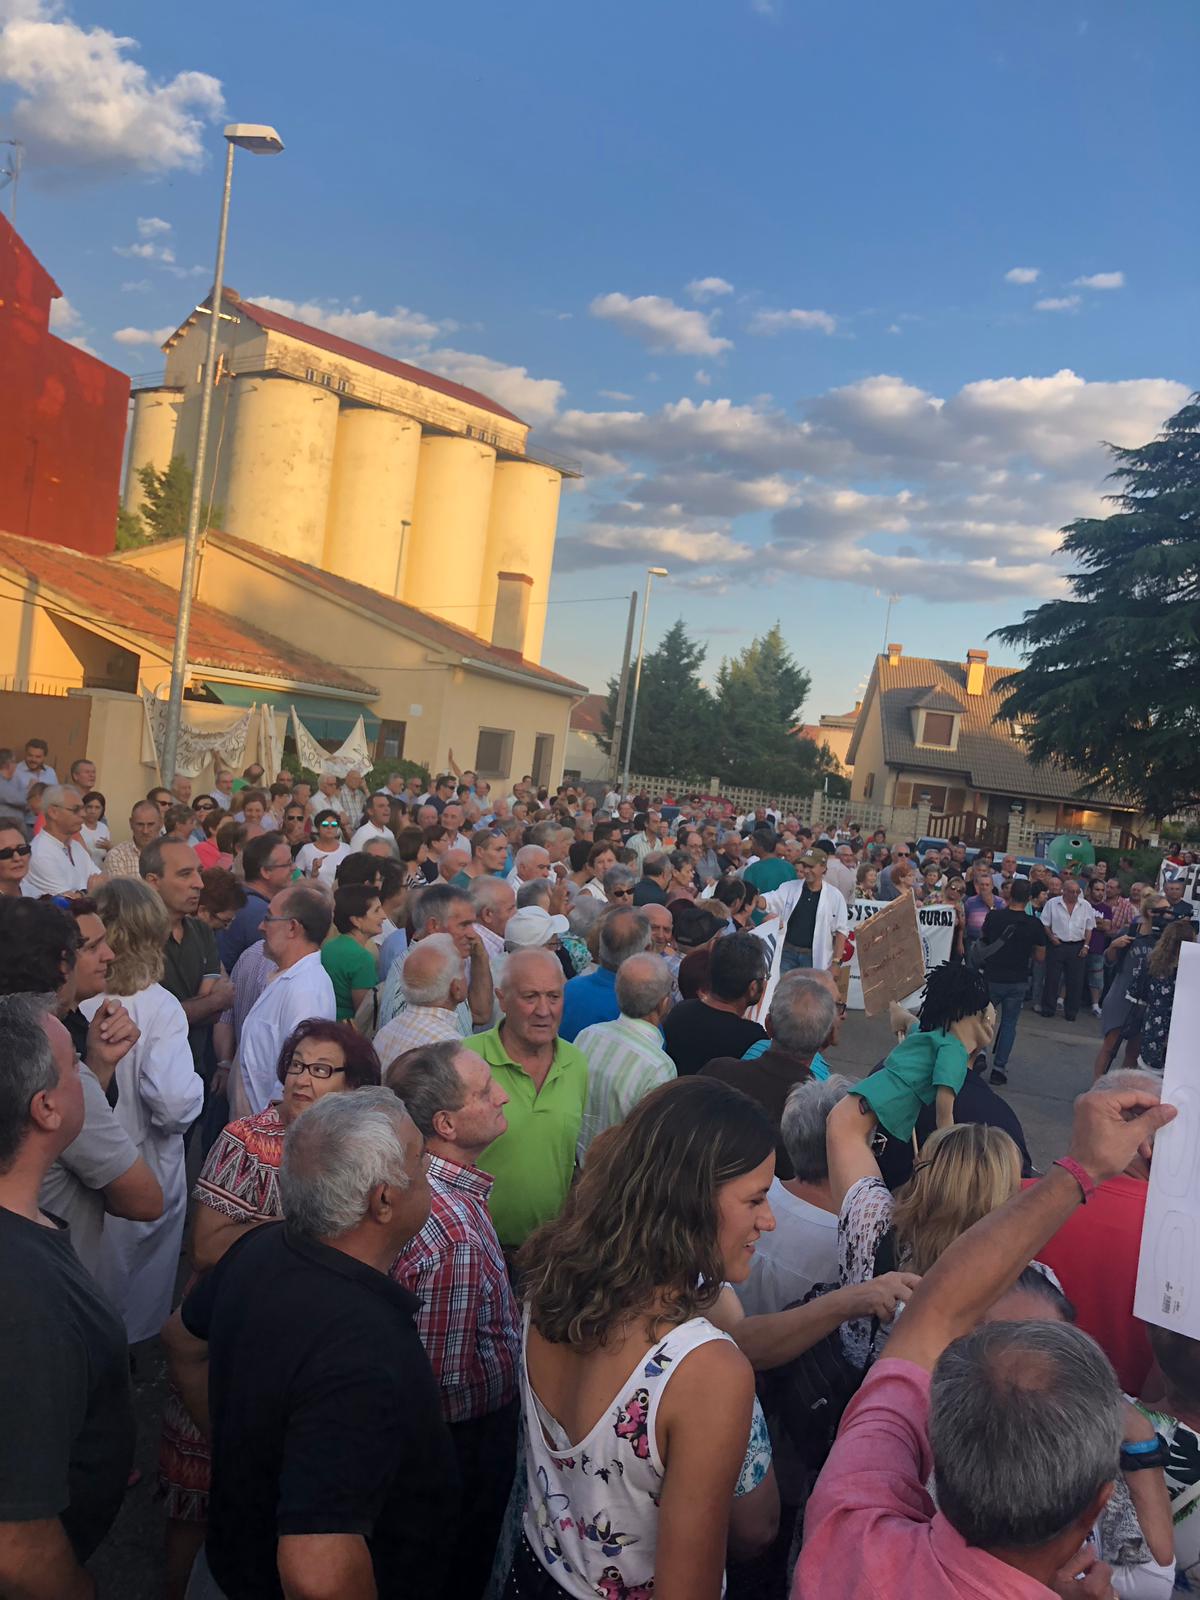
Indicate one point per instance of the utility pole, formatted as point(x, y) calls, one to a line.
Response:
point(614, 750)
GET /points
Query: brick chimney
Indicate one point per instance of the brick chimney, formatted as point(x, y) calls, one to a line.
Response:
point(894, 653)
point(511, 621)
point(976, 662)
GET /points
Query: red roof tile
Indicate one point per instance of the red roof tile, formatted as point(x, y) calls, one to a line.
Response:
point(587, 716)
point(371, 358)
point(421, 623)
point(91, 589)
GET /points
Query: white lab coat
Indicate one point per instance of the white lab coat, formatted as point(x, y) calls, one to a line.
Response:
point(832, 916)
point(160, 1096)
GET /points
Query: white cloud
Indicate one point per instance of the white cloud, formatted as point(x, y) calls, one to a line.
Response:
point(147, 251)
point(704, 379)
point(768, 322)
point(136, 286)
point(64, 318)
point(661, 324)
point(151, 227)
point(389, 331)
point(1100, 280)
point(1061, 302)
point(1022, 274)
point(708, 288)
point(83, 104)
point(534, 400)
point(136, 336)
point(614, 394)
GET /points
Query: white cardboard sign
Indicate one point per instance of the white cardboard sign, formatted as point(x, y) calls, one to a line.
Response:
point(1168, 1281)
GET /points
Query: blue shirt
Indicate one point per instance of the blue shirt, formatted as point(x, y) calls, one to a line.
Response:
point(589, 998)
point(244, 930)
point(818, 1066)
point(392, 948)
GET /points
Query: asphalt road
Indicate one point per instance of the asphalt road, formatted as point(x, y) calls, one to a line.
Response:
point(1050, 1065)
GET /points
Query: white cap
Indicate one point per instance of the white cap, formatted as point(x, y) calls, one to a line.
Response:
point(531, 927)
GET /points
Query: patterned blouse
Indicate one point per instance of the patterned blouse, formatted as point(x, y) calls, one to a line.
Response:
point(1153, 1001)
point(240, 1176)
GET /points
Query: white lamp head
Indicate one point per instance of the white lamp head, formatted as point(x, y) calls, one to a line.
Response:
point(657, 572)
point(256, 137)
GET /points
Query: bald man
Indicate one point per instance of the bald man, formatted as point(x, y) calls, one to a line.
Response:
point(545, 1079)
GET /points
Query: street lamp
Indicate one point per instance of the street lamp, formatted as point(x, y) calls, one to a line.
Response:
point(651, 574)
point(259, 140)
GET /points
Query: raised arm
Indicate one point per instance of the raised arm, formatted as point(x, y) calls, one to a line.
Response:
point(848, 1143)
point(987, 1260)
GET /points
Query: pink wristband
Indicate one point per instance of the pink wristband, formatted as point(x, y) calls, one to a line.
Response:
point(1069, 1164)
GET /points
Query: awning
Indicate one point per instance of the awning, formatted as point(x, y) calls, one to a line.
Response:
point(324, 719)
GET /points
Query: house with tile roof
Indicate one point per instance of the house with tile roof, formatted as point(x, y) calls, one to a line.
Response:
point(586, 761)
point(927, 736)
point(437, 688)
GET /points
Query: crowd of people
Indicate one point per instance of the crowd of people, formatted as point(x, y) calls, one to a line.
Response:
point(511, 1232)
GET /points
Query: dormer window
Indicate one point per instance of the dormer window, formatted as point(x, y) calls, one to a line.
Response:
point(938, 729)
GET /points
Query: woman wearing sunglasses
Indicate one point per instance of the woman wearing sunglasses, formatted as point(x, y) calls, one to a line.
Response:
point(321, 858)
point(14, 859)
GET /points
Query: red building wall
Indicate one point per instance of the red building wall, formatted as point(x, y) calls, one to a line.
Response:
point(62, 417)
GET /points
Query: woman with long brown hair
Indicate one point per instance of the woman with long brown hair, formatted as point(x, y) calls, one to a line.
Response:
point(637, 1410)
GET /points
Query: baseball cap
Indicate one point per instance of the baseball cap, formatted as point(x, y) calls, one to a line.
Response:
point(813, 858)
point(531, 927)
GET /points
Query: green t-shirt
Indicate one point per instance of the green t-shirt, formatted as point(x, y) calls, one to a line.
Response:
point(534, 1161)
point(768, 872)
point(911, 1076)
point(350, 966)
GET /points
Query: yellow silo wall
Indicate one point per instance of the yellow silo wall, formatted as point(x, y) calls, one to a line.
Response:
point(522, 523)
point(151, 438)
point(279, 446)
point(375, 463)
point(450, 527)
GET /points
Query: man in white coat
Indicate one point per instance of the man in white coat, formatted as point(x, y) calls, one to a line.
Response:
point(814, 916)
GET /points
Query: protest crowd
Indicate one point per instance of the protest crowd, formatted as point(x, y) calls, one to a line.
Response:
point(482, 1161)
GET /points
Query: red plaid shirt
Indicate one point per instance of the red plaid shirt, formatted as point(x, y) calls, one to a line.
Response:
point(468, 1321)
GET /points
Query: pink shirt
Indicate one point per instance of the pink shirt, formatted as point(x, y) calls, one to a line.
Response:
point(871, 1521)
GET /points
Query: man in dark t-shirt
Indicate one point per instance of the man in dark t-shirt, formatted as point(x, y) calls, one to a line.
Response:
point(715, 1024)
point(329, 1450)
point(66, 1417)
point(1015, 940)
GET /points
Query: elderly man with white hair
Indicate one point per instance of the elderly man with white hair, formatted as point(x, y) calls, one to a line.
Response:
point(840, 871)
point(332, 1469)
point(625, 1056)
point(531, 861)
point(59, 862)
point(435, 985)
point(494, 903)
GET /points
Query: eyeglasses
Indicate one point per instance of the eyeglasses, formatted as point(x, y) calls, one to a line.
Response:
point(11, 850)
point(329, 824)
point(267, 919)
point(293, 816)
point(205, 805)
point(315, 1069)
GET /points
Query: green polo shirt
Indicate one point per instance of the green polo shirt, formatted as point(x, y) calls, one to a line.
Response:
point(533, 1162)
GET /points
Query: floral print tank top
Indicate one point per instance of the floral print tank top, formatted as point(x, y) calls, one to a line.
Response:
point(592, 1513)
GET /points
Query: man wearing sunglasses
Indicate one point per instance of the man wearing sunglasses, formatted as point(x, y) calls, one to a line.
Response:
point(59, 863)
point(14, 858)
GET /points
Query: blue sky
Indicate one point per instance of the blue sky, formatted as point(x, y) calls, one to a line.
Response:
point(832, 302)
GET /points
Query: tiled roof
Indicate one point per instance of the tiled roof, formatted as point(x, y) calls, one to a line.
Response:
point(421, 624)
point(350, 351)
point(587, 717)
point(987, 754)
point(840, 719)
point(90, 590)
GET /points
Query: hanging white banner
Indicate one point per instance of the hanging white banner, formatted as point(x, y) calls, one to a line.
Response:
point(353, 755)
point(936, 924)
point(199, 741)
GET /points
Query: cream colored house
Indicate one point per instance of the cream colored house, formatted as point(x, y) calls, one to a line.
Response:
point(927, 735)
point(436, 688)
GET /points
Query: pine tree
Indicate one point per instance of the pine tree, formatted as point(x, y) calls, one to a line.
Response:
point(168, 496)
point(759, 697)
point(1111, 681)
point(674, 728)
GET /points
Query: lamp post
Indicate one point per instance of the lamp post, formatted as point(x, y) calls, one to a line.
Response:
point(651, 574)
point(259, 140)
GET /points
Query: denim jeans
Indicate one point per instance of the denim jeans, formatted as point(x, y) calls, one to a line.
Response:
point(793, 957)
point(1008, 998)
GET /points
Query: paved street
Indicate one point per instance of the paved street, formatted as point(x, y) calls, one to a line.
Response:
point(1051, 1064)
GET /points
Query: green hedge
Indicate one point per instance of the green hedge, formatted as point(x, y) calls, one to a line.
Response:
point(375, 779)
point(1146, 863)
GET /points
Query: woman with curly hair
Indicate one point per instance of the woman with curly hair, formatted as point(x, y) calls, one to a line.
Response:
point(637, 1409)
point(238, 1189)
point(159, 1096)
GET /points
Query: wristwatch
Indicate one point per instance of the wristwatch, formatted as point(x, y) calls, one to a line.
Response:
point(1143, 1453)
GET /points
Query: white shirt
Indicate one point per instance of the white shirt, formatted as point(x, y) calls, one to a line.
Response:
point(832, 916)
point(23, 776)
point(94, 839)
point(223, 800)
point(324, 802)
point(370, 831)
point(1072, 926)
point(291, 997)
point(802, 1251)
point(329, 859)
point(57, 868)
point(842, 877)
point(460, 841)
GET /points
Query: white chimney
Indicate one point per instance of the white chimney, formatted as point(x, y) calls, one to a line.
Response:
point(976, 662)
point(511, 622)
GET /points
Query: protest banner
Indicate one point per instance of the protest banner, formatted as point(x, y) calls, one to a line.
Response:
point(1167, 1289)
point(771, 933)
point(891, 959)
point(935, 925)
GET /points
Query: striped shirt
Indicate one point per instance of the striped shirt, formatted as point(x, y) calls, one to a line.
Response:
point(1120, 913)
point(625, 1061)
point(468, 1321)
point(413, 1026)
